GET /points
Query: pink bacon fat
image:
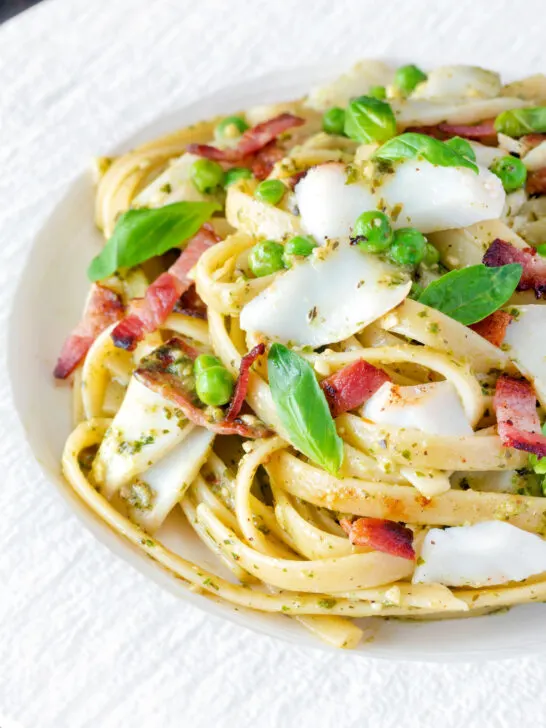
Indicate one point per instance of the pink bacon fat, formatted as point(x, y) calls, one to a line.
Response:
point(380, 534)
point(352, 386)
point(252, 141)
point(104, 308)
point(168, 370)
point(493, 327)
point(534, 266)
point(148, 313)
point(517, 419)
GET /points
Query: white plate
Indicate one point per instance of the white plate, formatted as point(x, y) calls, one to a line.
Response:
point(48, 304)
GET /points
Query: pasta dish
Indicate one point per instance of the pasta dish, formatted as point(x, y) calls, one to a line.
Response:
point(315, 327)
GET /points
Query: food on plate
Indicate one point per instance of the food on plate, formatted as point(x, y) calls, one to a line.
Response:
point(315, 330)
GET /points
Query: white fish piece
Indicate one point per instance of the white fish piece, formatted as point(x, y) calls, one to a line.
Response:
point(536, 158)
point(435, 408)
point(427, 112)
point(145, 429)
point(484, 554)
point(172, 185)
point(526, 346)
point(169, 478)
point(357, 82)
point(459, 81)
point(329, 206)
point(328, 297)
point(485, 156)
point(431, 198)
point(440, 198)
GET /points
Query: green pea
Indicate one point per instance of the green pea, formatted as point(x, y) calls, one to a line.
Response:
point(214, 386)
point(231, 127)
point(205, 361)
point(378, 92)
point(408, 77)
point(408, 247)
point(511, 171)
point(265, 258)
point(541, 250)
point(298, 246)
point(333, 121)
point(372, 231)
point(206, 175)
point(462, 147)
point(235, 174)
point(431, 256)
point(270, 191)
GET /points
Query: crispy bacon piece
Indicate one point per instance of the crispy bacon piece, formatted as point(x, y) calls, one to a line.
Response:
point(381, 535)
point(190, 303)
point(493, 327)
point(352, 386)
point(432, 131)
point(483, 130)
point(536, 182)
point(168, 370)
point(239, 395)
point(263, 161)
point(517, 419)
point(253, 140)
point(534, 265)
point(103, 309)
point(148, 313)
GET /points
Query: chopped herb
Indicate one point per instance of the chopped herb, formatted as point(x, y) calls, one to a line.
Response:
point(327, 603)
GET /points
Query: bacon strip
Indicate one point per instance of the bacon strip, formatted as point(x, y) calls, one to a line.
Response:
point(381, 535)
point(484, 132)
point(534, 265)
point(168, 370)
point(253, 140)
point(239, 395)
point(352, 386)
point(517, 419)
point(479, 131)
point(536, 182)
point(103, 309)
point(263, 161)
point(148, 313)
point(493, 327)
point(190, 303)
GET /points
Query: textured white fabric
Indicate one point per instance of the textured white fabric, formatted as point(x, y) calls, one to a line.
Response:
point(84, 639)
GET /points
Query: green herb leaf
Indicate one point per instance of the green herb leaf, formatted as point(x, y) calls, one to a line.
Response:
point(517, 122)
point(471, 294)
point(412, 146)
point(303, 409)
point(142, 234)
point(368, 119)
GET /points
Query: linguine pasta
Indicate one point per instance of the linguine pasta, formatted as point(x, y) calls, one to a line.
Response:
point(314, 329)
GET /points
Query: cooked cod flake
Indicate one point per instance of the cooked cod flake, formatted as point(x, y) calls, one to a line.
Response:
point(484, 554)
point(427, 196)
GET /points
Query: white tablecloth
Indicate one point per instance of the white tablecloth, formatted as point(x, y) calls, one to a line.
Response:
point(84, 639)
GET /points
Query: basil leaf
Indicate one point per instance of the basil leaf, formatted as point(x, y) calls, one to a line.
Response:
point(517, 122)
point(471, 294)
point(142, 234)
point(303, 409)
point(368, 119)
point(412, 146)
